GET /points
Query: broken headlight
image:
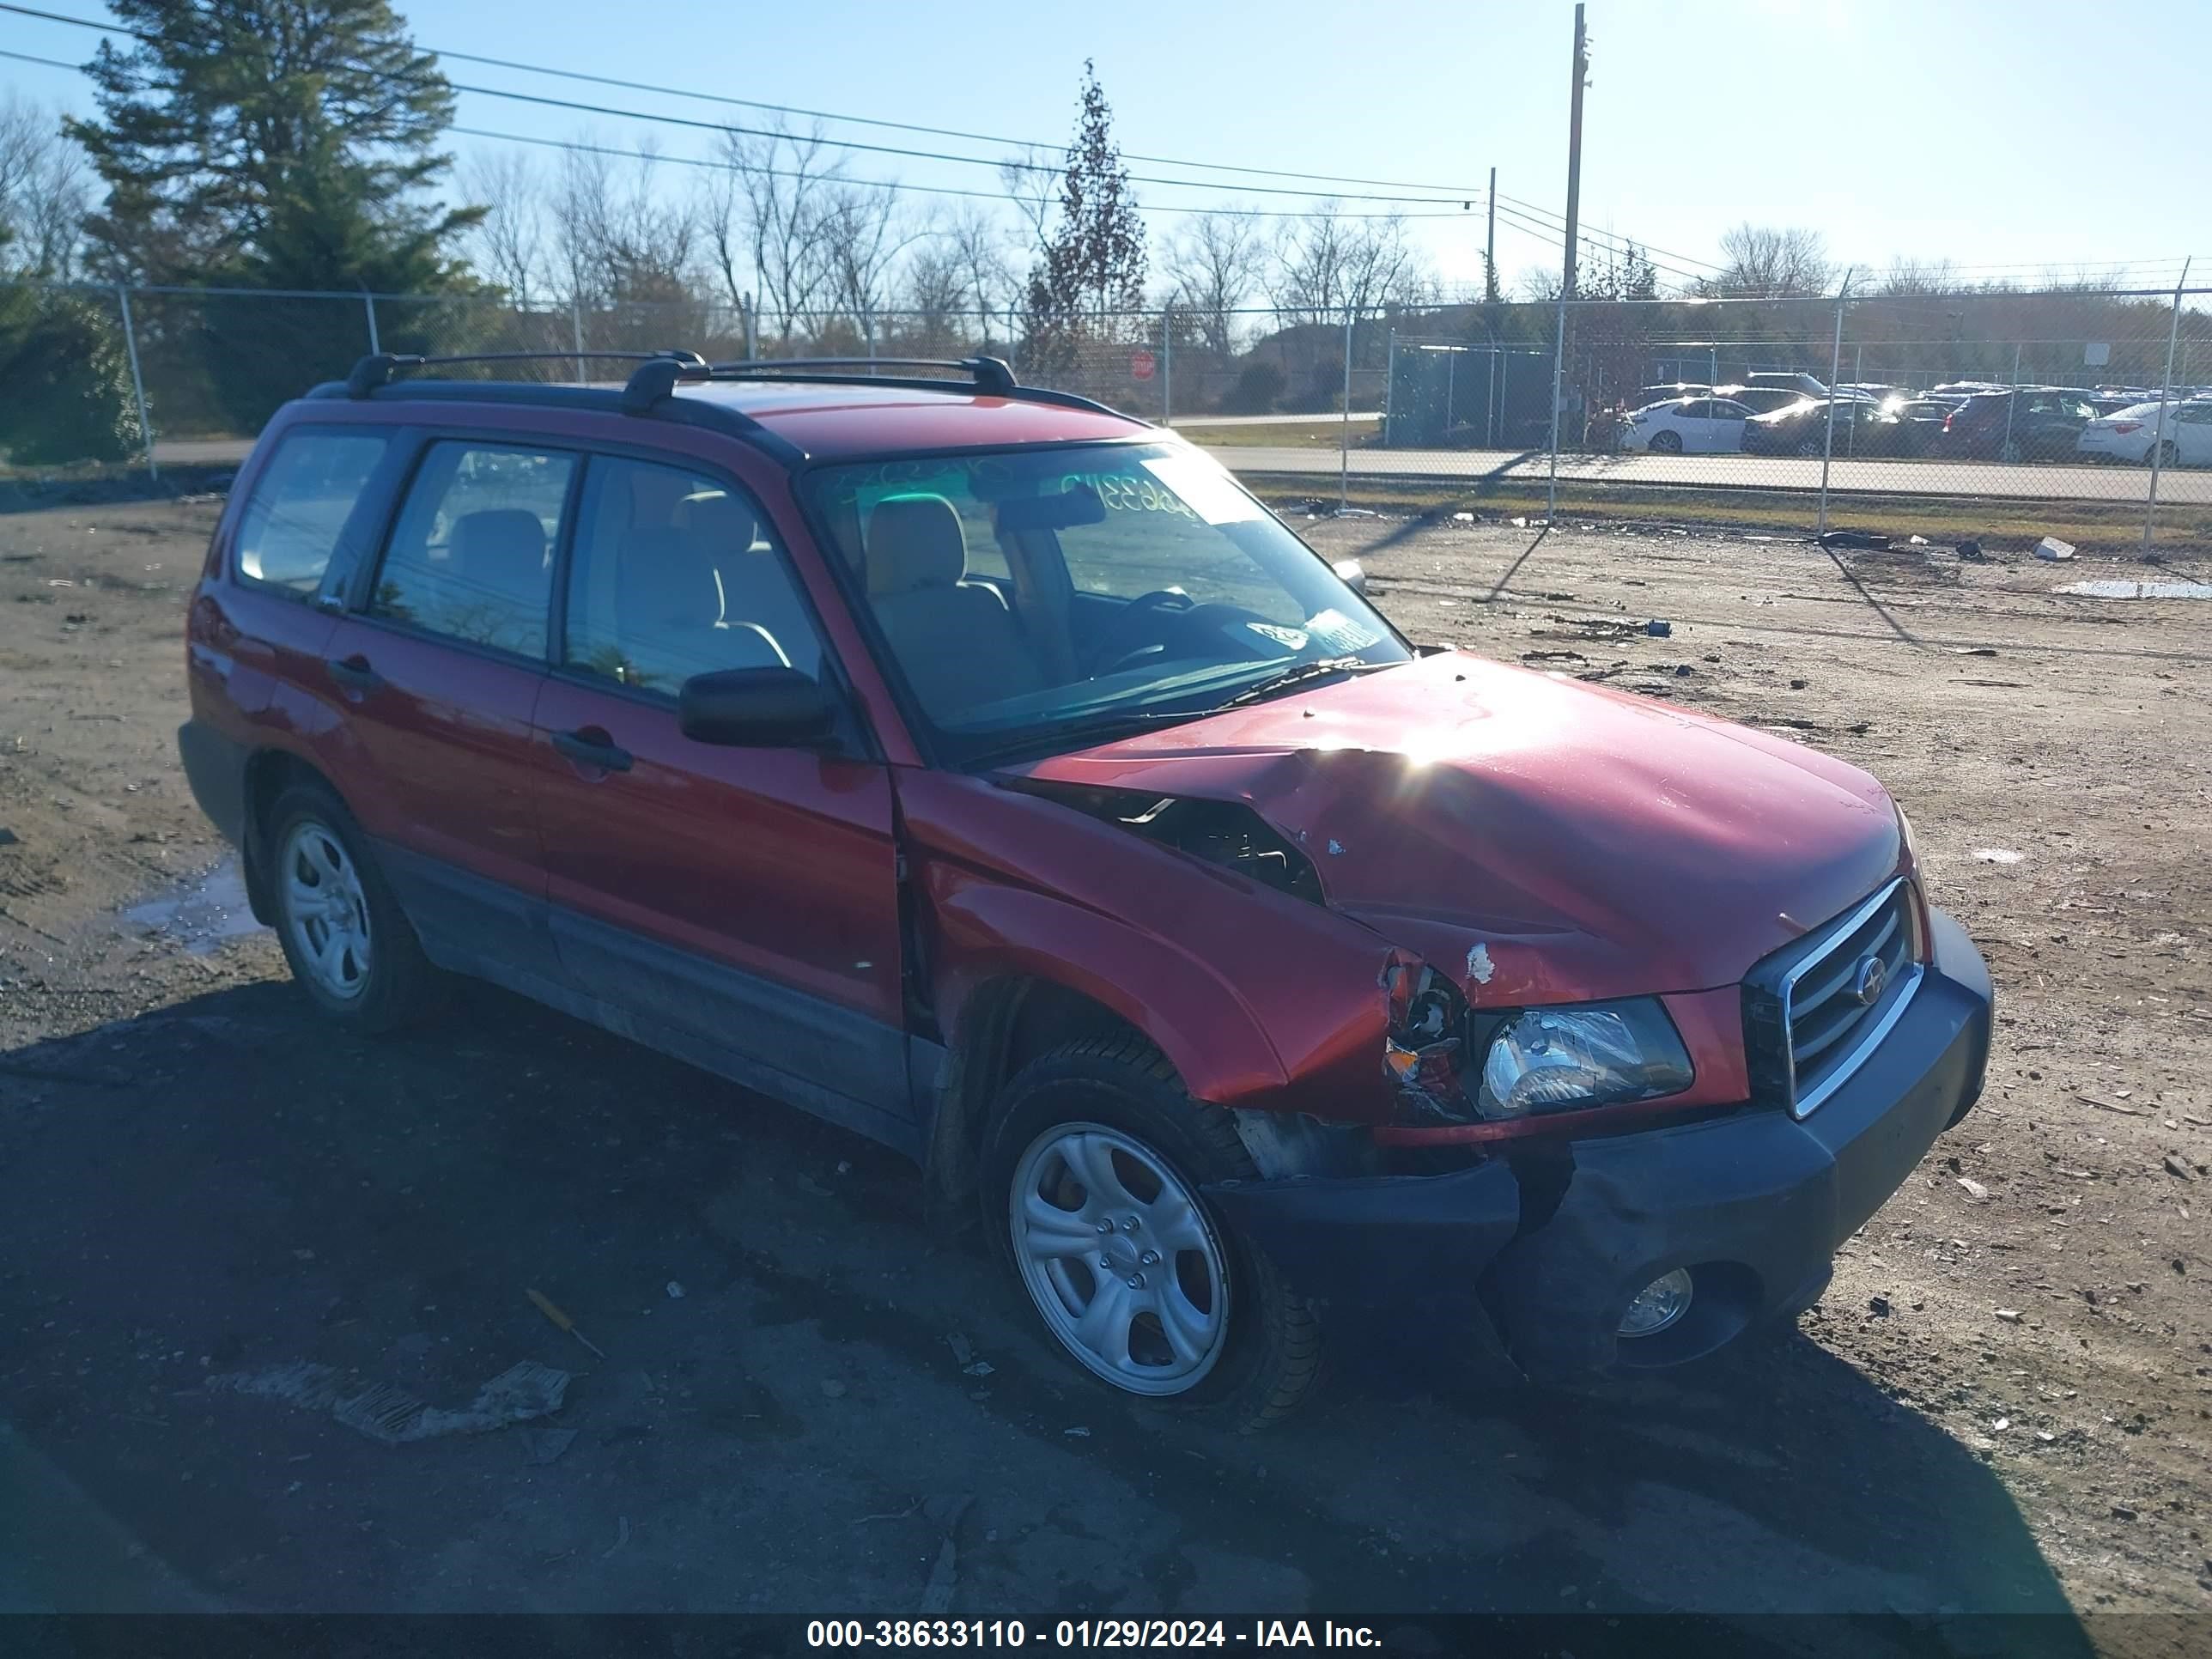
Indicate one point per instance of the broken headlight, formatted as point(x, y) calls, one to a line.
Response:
point(1570, 1059)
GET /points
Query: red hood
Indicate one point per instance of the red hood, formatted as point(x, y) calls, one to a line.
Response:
point(1538, 838)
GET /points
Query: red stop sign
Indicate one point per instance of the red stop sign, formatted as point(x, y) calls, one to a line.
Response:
point(1141, 364)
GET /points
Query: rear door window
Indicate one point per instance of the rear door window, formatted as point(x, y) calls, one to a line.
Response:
point(299, 507)
point(471, 557)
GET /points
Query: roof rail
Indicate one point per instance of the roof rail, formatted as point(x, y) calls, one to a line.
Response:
point(991, 375)
point(377, 369)
point(994, 377)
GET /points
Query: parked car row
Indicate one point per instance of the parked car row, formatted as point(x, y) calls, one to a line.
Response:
point(1959, 421)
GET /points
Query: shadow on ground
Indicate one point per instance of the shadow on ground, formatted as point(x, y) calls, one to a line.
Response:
point(804, 1393)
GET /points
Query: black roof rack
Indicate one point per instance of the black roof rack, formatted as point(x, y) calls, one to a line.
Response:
point(659, 373)
point(377, 368)
point(992, 376)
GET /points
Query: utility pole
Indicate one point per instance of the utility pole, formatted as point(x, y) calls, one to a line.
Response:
point(1490, 247)
point(1575, 153)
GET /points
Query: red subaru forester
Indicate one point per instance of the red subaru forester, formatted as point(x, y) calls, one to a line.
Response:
point(988, 773)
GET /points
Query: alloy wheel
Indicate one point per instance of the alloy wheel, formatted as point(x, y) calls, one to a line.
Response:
point(325, 909)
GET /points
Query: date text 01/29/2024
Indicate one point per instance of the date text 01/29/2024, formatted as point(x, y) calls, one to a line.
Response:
point(1086, 1633)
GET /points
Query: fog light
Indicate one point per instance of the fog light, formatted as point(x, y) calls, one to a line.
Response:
point(1658, 1304)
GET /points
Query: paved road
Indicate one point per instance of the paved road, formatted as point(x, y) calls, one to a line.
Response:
point(1181, 421)
point(1889, 477)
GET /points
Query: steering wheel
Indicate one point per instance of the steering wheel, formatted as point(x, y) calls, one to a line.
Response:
point(1110, 653)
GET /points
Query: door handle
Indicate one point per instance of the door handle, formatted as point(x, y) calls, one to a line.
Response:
point(591, 747)
point(354, 673)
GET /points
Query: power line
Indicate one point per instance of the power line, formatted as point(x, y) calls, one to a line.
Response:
point(886, 183)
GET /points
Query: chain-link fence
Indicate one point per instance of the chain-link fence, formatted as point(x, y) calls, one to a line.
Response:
point(1990, 417)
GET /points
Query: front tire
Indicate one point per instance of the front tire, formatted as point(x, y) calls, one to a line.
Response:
point(346, 942)
point(1093, 1192)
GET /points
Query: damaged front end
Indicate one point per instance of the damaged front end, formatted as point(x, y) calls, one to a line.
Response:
point(1509, 1070)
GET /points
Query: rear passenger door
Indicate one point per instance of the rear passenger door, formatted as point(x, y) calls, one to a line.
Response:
point(738, 906)
point(436, 675)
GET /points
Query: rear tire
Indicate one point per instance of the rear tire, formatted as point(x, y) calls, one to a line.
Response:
point(1242, 1351)
point(1666, 443)
point(2162, 455)
point(349, 944)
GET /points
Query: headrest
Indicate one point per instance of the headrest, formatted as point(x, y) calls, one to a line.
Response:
point(665, 579)
point(502, 546)
point(914, 542)
point(719, 521)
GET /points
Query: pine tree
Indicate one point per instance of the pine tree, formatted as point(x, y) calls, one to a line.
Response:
point(277, 144)
point(1092, 274)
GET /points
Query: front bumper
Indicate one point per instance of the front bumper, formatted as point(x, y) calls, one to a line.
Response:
point(1535, 1257)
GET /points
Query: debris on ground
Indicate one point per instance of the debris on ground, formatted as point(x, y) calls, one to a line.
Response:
point(964, 1352)
point(561, 1321)
point(1972, 552)
point(1997, 855)
point(544, 1446)
point(1974, 1189)
point(1077, 1434)
point(394, 1417)
point(937, 1594)
point(675, 1291)
point(2119, 590)
point(1659, 630)
point(2174, 1166)
point(2052, 548)
point(2010, 1315)
point(1865, 538)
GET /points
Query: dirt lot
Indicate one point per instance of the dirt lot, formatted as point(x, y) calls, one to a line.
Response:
point(2004, 1404)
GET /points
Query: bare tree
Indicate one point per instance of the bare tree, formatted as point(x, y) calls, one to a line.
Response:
point(1918, 276)
point(862, 240)
point(1772, 263)
point(45, 192)
point(623, 239)
point(1030, 178)
point(509, 241)
point(769, 220)
point(1329, 266)
point(933, 296)
point(1214, 265)
point(976, 243)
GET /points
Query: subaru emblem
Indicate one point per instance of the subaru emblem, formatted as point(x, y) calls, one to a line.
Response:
point(1867, 982)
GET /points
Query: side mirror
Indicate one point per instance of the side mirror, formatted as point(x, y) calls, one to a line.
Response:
point(1352, 575)
point(756, 708)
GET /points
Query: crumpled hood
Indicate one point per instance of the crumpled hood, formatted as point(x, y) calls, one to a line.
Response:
point(1537, 838)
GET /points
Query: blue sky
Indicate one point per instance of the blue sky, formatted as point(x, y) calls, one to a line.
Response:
point(1970, 131)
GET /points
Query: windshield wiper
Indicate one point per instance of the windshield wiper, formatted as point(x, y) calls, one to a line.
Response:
point(1061, 738)
point(1296, 675)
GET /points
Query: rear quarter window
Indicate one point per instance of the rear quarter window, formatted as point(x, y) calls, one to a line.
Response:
point(299, 507)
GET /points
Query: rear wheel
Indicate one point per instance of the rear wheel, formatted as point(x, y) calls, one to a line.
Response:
point(1811, 449)
point(1093, 1195)
point(2164, 455)
point(1666, 443)
point(346, 939)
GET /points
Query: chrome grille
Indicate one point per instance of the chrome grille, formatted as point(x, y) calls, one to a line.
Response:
point(1809, 1018)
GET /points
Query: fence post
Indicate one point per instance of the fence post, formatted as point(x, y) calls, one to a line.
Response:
point(2165, 391)
point(137, 382)
point(1344, 432)
point(369, 304)
point(2011, 404)
point(1558, 381)
point(577, 317)
point(1391, 388)
point(1493, 398)
point(752, 331)
point(1451, 388)
point(1166, 365)
point(1835, 372)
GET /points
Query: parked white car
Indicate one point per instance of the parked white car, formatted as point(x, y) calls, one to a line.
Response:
point(2134, 435)
point(1688, 425)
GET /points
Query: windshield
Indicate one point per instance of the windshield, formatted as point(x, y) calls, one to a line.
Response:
point(1036, 598)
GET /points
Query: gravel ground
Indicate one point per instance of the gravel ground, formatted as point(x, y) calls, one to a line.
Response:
point(2003, 1404)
